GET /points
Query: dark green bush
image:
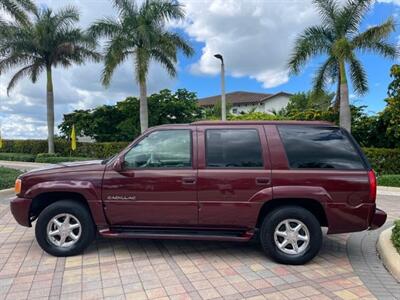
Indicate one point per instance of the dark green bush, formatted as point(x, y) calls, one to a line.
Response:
point(396, 235)
point(384, 161)
point(389, 180)
point(7, 177)
point(17, 157)
point(60, 159)
point(63, 148)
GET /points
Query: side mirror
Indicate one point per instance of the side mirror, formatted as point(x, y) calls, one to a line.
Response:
point(119, 164)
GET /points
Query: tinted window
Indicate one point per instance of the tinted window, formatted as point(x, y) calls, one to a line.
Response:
point(161, 149)
point(226, 148)
point(319, 147)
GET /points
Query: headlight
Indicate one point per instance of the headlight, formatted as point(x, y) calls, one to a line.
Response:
point(18, 186)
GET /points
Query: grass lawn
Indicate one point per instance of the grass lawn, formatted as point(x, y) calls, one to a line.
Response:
point(7, 177)
point(389, 180)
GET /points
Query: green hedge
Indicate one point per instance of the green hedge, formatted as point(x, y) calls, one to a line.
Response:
point(7, 177)
point(396, 235)
point(60, 159)
point(384, 161)
point(389, 180)
point(17, 157)
point(63, 148)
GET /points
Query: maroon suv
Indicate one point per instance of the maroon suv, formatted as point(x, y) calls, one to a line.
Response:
point(225, 181)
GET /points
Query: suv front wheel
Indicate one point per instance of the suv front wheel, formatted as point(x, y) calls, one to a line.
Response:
point(291, 235)
point(64, 228)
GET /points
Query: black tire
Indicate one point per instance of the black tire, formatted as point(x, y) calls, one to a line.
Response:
point(274, 218)
point(80, 212)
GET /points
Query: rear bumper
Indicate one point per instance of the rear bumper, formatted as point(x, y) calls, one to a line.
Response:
point(343, 218)
point(20, 208)
point(378, 219)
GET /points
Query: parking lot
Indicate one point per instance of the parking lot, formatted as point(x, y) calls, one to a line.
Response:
point(145, 269)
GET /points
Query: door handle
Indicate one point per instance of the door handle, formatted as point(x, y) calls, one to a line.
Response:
point(189, 180)
point(262, 181)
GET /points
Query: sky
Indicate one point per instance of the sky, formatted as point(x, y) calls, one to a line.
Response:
point(255, 37)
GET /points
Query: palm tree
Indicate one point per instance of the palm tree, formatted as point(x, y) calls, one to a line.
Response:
point(50, 40)
point(339, 38)
point(140, 32)
point(18, 9)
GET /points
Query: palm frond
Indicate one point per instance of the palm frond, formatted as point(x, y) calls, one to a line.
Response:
point(66, 16)
point(15, 59)
point(25, 71)
point(328, 10)
point(324, 73)
point(105, 28)
point(125, 7)
point(358, 76)
point(351, 15)
point(315, 40)
point(19, 9)
point(162, 10)
point(164, 60)
point(180, 43)
point(375, 33)
point(117, 52)
point(383, 48)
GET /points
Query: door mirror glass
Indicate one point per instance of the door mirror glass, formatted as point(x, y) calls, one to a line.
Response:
point(162, 149)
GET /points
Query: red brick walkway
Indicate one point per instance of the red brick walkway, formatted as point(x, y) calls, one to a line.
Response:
point(142, 269)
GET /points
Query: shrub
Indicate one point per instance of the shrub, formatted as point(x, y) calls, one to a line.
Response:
point(59, 159)
point(7, 177)
point(389, 180)
point(63, 148)
point(396, 235)
point(17, 157)
point(384, 161)
point(257, 116)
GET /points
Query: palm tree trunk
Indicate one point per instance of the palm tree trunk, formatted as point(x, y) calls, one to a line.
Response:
point(336, 104)
point(144, 113)
point(50, 111)
point(345, 113)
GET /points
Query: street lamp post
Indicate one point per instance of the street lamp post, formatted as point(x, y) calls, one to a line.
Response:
point(223, 99)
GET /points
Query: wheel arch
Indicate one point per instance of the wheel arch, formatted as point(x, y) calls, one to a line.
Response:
point(312, 205)
point(43, 200)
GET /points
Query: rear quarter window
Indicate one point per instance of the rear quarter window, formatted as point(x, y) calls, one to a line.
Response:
point(309, 147)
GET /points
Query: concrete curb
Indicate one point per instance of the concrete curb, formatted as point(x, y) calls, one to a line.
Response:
point(388, 253)
point(388, 191)
point(6, 192)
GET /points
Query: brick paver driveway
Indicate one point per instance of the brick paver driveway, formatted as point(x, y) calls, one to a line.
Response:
point(143, 269)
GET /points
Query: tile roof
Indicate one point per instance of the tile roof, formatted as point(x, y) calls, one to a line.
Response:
point(239, 98)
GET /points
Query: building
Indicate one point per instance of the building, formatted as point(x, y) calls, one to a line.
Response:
point(244, 102)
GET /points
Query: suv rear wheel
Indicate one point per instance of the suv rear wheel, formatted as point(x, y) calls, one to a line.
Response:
point(64, 228)
point(291, 235)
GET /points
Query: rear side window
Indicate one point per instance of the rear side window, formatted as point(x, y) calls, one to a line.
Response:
point(319, 148)
point(233, 148)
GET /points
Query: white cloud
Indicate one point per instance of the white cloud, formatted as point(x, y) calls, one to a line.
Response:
point(255, 37)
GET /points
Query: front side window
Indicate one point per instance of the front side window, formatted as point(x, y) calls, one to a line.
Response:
point(162, 149)
point(319, 148)
point(233, 148)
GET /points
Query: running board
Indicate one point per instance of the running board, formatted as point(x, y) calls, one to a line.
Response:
point(232, 236)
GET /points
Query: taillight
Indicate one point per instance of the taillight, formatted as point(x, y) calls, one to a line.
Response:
point(372, 185)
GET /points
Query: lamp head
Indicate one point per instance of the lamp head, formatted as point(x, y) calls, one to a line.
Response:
point(219, 56)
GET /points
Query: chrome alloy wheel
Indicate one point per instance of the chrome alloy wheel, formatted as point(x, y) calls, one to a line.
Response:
point(64, 230)
point(292, 237)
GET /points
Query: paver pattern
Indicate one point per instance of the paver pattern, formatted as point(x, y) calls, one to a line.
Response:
point(145, 269)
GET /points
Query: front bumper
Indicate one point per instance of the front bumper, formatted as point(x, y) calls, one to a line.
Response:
point(20, 208)
point(378, 219)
